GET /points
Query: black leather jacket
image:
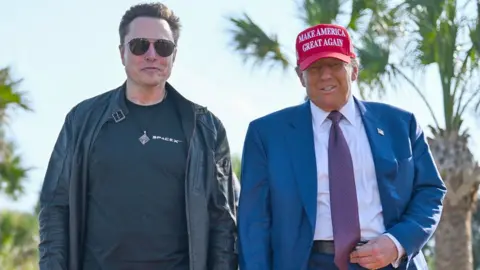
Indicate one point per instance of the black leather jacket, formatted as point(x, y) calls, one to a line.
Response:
point(209, 188)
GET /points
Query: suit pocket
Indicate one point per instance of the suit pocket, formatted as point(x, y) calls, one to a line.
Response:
point(386, 168)
point(406, 171)
point(404, 181)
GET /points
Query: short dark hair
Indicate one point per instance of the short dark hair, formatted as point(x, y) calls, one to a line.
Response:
point(152, 10)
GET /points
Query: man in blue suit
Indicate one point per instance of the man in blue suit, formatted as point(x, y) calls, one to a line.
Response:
point(336, 183)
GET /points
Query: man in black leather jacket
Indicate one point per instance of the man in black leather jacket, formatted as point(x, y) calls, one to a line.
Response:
point(140, 177)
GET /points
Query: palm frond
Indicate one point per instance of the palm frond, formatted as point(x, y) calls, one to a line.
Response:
point(375, 43)
point(468, 75)
point(313, 12)
point(359, 10)
point(436, 28)
point(388, 21)
point(475, 37)
point(374, 60)
point(431, 9)
point(425, 38)
point(437, 36)
point(466, 78)
point(475, 33)
point(12, 173)
point(472, 88)
point(255, 45)
point(476, 108)
point(9, 93)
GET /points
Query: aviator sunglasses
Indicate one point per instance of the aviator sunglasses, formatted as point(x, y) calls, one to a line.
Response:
point(139, 46)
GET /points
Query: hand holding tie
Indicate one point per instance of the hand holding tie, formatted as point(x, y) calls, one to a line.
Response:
point(376, 253)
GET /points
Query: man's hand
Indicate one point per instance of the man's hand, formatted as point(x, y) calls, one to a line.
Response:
point(376, 253)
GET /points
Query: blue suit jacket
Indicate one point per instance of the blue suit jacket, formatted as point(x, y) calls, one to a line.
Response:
point(278, 201)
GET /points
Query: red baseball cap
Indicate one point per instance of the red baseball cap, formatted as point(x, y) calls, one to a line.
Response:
point(322, 41)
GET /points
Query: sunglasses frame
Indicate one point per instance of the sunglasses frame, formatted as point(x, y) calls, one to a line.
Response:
point(150, 43)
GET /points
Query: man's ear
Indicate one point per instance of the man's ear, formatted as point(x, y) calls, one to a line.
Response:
point(121, 49)
point(354, 73)
point(174, 55)
point(300, 76)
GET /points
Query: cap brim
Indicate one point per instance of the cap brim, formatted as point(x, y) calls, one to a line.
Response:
point(313, 58)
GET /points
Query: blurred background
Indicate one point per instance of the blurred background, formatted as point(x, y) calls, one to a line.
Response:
point(237, 58)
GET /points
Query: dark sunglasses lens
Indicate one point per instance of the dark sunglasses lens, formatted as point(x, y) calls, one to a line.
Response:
point(139, 46)
point(164, 48)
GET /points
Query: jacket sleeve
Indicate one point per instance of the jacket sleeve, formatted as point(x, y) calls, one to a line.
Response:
point(222, 255)
point(423, 212)
point(254, 214)
point(54, 200)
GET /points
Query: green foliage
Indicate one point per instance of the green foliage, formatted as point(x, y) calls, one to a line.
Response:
point(18, 231)
point(12, 173)
point(18, 241)
point(237, 165)
point(314, 12)
point(254, 44)
point(9, 95)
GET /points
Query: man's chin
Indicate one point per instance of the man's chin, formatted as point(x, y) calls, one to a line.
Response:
point(153, 83)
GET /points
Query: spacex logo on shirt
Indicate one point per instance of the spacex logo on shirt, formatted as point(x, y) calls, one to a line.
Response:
point(167, 139)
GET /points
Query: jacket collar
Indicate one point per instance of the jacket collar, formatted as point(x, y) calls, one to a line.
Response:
point(118, 104)
point(349, 111)
point(188, 111)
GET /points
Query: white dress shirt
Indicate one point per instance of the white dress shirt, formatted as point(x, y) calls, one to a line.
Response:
point(368, 197)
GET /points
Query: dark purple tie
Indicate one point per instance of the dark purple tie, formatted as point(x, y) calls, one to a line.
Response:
point(343, 195)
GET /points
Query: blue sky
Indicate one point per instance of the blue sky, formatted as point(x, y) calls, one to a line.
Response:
point(66, 51)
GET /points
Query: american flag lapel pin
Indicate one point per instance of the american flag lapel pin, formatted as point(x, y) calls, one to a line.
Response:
point(380, 131)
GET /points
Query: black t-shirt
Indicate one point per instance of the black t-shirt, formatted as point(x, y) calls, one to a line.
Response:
point(136, 197)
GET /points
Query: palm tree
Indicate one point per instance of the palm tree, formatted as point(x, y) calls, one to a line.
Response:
point(392, 42)
point(12, 173)
point(18, 241)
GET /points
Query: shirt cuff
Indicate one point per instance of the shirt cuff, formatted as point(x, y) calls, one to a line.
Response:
point(400, 250)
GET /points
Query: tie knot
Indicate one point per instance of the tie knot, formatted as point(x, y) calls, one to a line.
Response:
point(335, 116)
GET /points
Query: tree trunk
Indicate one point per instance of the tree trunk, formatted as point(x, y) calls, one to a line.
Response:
point(453, 238)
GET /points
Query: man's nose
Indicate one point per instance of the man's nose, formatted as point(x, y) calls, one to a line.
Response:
point(151, 54)
point(326, 73)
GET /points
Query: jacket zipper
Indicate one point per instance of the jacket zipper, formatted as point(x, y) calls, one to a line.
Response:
point(191, 263)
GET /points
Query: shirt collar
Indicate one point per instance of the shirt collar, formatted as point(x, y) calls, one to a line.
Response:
point(348, 111)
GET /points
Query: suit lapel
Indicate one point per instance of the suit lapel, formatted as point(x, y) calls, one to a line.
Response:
point(384, 159)
point(301, 145)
